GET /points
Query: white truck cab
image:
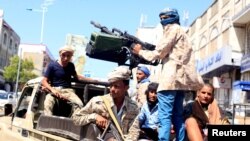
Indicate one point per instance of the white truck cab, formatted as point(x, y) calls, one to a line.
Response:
point(27, 122)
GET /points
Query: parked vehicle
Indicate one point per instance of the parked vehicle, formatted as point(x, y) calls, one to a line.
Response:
point(6, 99)
point(28, 122)
point(2, 91)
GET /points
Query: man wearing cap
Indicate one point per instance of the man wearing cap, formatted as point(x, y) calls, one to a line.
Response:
point(142, 76)
point(124, 109)
point(177, 75)
point(57, 80)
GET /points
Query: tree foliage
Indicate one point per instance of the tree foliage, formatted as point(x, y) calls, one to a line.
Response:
point(25, 73)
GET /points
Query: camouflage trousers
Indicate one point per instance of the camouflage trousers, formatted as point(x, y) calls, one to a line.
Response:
point(68, 93)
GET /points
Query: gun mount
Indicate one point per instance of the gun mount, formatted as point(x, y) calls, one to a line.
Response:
point(116, 46)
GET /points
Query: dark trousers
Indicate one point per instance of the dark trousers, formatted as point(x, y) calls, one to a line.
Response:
point(148, 133)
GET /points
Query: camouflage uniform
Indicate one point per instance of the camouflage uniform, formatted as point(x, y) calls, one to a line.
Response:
point(68, 93)
point(57, 79)
point(143, 80)
point(140, 93)
point(96, 106)
point(178, 64)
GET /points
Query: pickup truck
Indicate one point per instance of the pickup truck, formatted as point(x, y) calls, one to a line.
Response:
point(28, 123)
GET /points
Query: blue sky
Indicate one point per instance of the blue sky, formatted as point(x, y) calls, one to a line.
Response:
point(74, 16)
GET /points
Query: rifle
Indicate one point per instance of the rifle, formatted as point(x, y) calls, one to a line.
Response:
point(110, 127)
point(116, 46)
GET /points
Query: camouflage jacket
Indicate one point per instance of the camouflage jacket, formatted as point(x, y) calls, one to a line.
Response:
point(140, 93)
point(177, 58)
point(96, 106)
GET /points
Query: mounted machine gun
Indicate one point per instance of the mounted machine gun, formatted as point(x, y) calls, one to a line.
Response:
point(116, 46)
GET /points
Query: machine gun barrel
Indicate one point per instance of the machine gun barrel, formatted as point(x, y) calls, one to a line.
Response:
point(103, 29)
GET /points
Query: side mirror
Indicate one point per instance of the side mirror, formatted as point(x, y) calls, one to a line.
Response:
point(10, 97)
point(8, 109)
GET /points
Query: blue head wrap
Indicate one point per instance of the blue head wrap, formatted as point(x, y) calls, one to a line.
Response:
point(172, 14)
point(145, 70)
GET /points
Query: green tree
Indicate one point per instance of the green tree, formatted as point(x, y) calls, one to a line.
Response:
point(25, 73)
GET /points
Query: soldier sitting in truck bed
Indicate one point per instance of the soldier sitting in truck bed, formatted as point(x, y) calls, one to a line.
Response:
point(99, 109)
point(57, 79)
point(34, 125)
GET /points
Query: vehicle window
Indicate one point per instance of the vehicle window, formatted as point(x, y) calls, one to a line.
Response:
point(3, 96)
point(24, 102)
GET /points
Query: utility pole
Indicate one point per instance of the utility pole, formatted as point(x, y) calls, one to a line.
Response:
point(185, 18)
point(43, 10)
point(18, 71)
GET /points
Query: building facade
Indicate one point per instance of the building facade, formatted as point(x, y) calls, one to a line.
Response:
point(220, 38)
point(9, 42)
point(39, 54)
point(221, 41)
